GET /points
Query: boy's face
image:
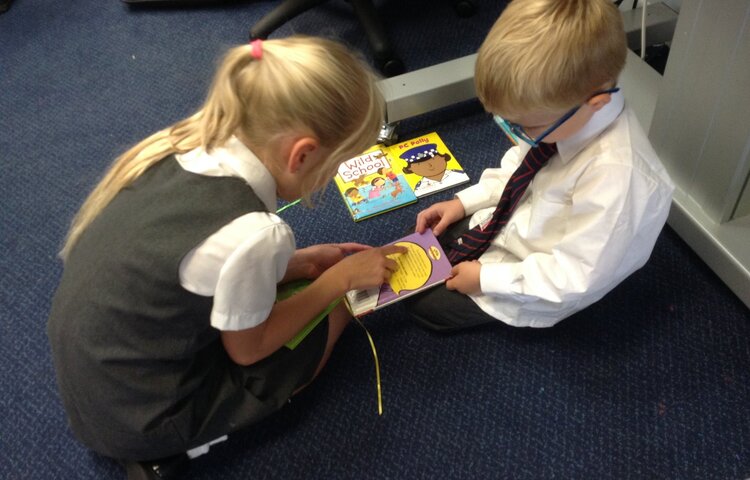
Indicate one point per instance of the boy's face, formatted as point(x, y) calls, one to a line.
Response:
point(536, 123)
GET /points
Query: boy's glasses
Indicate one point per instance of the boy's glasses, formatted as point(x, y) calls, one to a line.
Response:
point(516, 131)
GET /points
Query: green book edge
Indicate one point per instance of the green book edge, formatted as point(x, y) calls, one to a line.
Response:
point(287, 290)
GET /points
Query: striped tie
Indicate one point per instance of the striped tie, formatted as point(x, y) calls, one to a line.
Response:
point(472, 244)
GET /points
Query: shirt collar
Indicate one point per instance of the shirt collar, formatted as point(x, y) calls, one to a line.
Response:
point(601, 119)
point(570, 147)
point(235, 159)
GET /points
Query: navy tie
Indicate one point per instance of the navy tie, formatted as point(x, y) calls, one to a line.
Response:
point(472, 244)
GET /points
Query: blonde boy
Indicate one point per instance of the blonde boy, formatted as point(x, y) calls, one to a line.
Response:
point(548, 71)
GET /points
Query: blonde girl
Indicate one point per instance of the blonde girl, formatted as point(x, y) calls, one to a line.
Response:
point(165, 329)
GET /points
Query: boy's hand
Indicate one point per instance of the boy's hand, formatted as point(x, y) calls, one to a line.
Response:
point(465, 278)
point(440, 215)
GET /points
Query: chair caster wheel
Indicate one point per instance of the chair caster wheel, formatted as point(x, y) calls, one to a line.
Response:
point(465, 8)
point(392, 67)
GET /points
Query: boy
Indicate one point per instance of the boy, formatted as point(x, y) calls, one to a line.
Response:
point(548, 71)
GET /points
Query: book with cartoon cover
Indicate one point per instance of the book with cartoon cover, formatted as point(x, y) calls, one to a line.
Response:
point(370, 184)
point(387, 177)
point(423, 266)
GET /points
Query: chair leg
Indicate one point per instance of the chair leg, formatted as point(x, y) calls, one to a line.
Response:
point(385, 57)
point(281, 14)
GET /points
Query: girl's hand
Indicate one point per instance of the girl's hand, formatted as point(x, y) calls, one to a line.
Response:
point(368, 268)
point(465, 278)
point(440, 215)
point(312, 261)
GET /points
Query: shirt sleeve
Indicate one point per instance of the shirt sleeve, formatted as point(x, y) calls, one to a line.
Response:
point(597, 233)
point(487, 191)
point(240, 265)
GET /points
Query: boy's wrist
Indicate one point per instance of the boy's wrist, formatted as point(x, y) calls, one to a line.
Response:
point(470, 199)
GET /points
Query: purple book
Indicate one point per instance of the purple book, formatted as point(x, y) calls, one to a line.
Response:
point(423, 266)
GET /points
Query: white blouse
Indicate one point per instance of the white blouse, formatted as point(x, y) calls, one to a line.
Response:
point(241, 263)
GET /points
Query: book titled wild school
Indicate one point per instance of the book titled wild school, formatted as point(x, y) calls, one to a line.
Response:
point(384, 178)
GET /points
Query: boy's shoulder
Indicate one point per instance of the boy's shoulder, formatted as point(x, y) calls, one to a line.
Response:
point(624, 143)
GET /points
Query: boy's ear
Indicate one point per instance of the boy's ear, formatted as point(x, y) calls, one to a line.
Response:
point(598, 101)
point(302, 153)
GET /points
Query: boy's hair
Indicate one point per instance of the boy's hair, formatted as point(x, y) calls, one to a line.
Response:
point(549, 55)
point(300, 84)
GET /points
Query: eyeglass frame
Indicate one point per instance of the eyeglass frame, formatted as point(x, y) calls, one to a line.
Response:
point(517, 131)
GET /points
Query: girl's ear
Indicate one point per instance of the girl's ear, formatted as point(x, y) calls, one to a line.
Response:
point(302, 154)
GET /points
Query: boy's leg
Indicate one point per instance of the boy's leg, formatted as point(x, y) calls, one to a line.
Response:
point(453, 232)
point(446, 310)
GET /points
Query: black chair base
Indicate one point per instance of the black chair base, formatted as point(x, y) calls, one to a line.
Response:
point(384, 55)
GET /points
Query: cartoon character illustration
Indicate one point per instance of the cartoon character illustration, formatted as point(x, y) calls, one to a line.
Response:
point(354, 196)
point(427, 162)
point(360, 181)
point(377, 185)
point(388, 173)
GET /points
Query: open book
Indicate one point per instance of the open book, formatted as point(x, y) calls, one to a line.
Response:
point(384, 178)
point(423, 266)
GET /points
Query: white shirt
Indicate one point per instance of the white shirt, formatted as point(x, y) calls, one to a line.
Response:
point(588, 220)
point(241, 263)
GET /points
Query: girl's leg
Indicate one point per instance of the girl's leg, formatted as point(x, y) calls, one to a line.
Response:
point(338, 320)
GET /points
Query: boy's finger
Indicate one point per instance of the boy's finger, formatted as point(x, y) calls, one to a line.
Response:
point(441, 225)
point(421, 223)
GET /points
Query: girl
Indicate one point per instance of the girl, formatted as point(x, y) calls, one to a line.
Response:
point(165, 330)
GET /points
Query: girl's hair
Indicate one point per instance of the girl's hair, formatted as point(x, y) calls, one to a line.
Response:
point(299, 84)
point(549, 55)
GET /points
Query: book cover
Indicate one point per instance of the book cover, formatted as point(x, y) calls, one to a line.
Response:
point(423, 266)
point(387, 177)
point(371, 185)
point(427, 163)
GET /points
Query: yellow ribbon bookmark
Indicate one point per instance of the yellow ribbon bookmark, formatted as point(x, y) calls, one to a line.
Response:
point(377, 366)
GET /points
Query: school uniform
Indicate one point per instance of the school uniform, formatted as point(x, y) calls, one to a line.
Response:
point(187, 250)
point(588, 220)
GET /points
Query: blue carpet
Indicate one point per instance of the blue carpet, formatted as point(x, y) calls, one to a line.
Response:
point(651, 382)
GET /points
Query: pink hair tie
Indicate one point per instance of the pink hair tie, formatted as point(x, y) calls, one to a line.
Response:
point(257, 49)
